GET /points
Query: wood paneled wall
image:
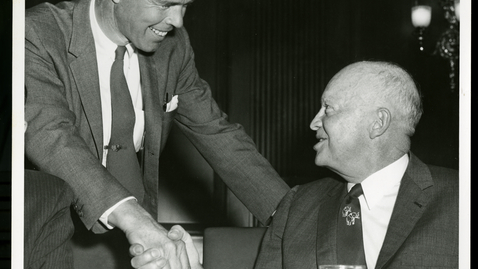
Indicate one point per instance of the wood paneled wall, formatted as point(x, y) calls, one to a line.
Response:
point(287, 76)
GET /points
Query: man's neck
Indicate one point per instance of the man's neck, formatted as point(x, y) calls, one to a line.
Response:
point(104, 11)
point(371, 164)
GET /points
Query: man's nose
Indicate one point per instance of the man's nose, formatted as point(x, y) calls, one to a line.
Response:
point(316, 122)
point(175, 16)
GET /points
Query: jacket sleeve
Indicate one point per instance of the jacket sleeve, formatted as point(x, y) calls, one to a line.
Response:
point(53, 141)
point(225, 146)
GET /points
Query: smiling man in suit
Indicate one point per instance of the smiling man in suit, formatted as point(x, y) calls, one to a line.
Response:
point(105, 80)
point(406, 212)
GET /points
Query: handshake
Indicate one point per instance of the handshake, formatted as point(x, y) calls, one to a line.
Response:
point(185, 254)
point(151, 245)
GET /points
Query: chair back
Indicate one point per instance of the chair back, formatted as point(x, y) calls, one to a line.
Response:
point(231, 247)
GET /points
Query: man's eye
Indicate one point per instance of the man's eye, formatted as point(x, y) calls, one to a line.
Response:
point(163, 7)
point(328, 109)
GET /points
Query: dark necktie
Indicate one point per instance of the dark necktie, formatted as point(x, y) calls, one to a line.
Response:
point(350, 248)
point(121, 160)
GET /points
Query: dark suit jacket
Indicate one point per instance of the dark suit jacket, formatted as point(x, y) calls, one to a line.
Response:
point(423, 229)
point(63, 110)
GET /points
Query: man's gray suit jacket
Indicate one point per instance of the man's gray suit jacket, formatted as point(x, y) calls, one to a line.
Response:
point(423, 229)
point(63, 111)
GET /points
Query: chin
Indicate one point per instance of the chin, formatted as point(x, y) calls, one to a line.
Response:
point(148, 47)
point(322, 156)
point(319, 162)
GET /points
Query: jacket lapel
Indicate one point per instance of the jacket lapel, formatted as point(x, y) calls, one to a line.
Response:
point(327, 225)
point(411, 202)
point(82, 49)
point(153, 113)
point(152, 100)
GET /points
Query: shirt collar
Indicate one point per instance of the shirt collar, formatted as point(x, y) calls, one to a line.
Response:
point(383, 182)
point(102, 43)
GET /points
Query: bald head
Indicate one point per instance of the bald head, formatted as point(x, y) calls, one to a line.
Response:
point(383, 84)
point(369, 111)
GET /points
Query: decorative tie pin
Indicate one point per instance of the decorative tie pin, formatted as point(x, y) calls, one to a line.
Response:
point(349, 215)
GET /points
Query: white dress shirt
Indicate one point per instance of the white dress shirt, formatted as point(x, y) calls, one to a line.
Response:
point(105, 55)
point(380, 193)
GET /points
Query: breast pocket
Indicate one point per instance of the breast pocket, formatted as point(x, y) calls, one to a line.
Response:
point(168, 118)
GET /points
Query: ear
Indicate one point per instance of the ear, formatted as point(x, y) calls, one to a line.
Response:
point(381, 123)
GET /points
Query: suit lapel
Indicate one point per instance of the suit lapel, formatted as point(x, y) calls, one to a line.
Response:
point(153, 113)
point(411, 202)
point(152, 100)
point(327, 225)
point(85, 70)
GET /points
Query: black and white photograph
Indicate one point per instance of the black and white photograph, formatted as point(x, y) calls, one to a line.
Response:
point(213, 134)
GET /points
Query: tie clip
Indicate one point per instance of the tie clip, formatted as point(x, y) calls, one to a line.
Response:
point(114, 147)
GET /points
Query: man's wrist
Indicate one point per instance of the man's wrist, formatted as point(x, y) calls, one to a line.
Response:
point(127, 214)
point(104, 218)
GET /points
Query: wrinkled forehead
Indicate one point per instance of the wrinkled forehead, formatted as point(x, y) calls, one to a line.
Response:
point(344, 86)
point(356, 82)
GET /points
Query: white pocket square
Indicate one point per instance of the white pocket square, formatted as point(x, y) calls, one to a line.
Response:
point(173, 104)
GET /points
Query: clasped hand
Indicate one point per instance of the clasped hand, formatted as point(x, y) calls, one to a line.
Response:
point(150, 245)
point(157, 258)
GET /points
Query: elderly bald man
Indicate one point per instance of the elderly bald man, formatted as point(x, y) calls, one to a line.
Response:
point(408, 210)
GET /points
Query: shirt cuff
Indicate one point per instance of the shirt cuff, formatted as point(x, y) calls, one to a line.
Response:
point(104, 217)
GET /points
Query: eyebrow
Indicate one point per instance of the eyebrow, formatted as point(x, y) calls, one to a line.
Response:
point(171, 3)
point(175, 2)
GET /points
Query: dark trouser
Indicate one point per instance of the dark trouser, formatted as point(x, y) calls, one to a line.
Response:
point(48, 224)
